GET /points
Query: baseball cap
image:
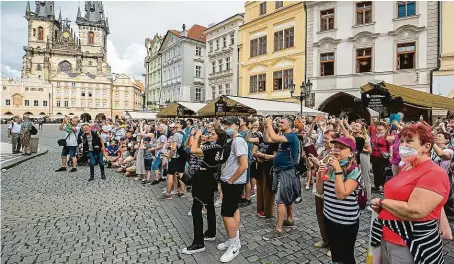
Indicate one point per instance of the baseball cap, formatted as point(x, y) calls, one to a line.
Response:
point(232, 120)
point(346, 142)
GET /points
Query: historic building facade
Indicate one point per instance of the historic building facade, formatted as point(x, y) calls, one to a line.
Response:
point(68, 74)
point(272, 49)
point(221, 57)
point(182, 60)
point(443, 80)
point(352, 43)
point(153, 72)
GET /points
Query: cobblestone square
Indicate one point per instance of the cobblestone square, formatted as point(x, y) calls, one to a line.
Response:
point(50, 217)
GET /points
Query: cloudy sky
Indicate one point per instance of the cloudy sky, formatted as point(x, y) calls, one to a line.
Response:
point(130, 23)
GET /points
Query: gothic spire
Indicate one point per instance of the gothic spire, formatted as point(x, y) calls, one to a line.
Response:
point(78, 13)
point(59, 16)
point(27, 10)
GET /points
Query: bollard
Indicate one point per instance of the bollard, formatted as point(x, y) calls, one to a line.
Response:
point(34, 144)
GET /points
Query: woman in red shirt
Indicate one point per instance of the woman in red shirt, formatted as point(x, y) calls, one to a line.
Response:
point(379, 157)
point(409, 213)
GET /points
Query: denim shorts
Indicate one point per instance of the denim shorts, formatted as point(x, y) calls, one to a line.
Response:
point(148, 163)
point(157, 163)
point(71, 150)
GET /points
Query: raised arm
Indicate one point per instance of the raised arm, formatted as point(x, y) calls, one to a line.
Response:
point(272, 135)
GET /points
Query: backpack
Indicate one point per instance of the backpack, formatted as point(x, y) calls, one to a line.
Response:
point(33, 130)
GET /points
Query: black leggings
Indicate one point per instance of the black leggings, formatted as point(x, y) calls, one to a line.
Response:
point(203, 187)
point(378, 167)
point(342, 240)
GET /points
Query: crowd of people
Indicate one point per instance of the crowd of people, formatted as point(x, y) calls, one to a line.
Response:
point(408, 164)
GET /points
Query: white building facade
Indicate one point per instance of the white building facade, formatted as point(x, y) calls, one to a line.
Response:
point(221, 59)
point(352, 43)
point(182, 59)
point(153, 72)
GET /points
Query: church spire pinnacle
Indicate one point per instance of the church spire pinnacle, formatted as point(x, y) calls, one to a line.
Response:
point(27, 10)
point(78, 13)
point(59, 16)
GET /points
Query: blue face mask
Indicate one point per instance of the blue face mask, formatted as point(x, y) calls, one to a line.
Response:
point(343, 162)
point(230, 132)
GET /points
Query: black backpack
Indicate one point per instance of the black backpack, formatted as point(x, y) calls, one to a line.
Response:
point(33, 130)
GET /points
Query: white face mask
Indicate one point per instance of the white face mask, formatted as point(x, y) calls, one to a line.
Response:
point(408, 154)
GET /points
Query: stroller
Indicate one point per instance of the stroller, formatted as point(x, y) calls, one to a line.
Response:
point(81, 155)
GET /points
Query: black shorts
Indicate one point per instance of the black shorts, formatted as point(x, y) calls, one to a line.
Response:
point(176, 165)
point(256, 172)
point(231, 197)
point(148, 163)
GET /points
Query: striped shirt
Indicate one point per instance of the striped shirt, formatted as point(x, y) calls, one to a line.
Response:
point(344, 212)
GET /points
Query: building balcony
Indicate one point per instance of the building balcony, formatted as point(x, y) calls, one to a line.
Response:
point(219, 75)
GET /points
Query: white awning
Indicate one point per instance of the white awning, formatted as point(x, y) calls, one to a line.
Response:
point(255, 106)
point(141, 115)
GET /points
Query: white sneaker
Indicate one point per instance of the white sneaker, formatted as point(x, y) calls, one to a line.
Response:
point(224, 246)
point(174, 192)
point(231, 253)
point(190, 213)
point(253, 195)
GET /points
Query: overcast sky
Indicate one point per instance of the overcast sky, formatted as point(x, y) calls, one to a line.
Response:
point(130, 23)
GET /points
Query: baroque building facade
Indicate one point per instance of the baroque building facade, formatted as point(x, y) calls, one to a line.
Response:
point(71, 69)
point(182, 64)
point(272, 49)
point(221, 57)
point(153, 75)
point(351, 43)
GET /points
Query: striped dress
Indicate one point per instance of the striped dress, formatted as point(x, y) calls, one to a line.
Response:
point(344, 212)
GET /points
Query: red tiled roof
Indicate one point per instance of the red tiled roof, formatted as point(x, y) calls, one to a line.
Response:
point(140, 84)
point(175, 32)
point(195, 33)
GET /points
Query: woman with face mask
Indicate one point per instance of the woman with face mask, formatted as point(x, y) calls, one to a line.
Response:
point(338, 179)
point(407, 224)
point(203, 187)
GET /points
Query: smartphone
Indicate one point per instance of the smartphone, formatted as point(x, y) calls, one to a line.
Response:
point(310, 150)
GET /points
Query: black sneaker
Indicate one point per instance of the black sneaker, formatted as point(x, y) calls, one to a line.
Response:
point(103, 177)
point(155, 182)
point(61, 169)
point(287, 223)
point(192, 249)
point(208, 237)
point(91, 179)
point(144, 182)
point(73, 170)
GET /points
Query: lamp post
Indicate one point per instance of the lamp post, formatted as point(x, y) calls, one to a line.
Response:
point(305, 92)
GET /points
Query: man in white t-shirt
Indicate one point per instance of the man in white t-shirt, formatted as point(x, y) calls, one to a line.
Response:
point(71, 133)
point(14, 129)
point(233, 177)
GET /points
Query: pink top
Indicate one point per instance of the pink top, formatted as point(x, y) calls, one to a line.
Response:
point(379, 145)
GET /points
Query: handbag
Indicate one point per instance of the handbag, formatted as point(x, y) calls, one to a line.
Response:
point(362, 197)
point(62, 142)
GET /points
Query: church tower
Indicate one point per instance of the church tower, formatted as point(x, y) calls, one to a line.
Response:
point(93, 28)
point(43, 29)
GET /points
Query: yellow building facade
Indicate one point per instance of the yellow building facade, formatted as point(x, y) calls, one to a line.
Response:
point(272, 49)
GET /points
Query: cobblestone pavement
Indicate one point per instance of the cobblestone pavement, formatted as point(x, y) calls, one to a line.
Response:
point(50, 217)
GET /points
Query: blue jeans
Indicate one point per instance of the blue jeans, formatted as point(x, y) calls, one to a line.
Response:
point(96, 157)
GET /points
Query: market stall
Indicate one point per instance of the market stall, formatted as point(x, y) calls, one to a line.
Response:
point(140, 115)
point(181, 109)
point(237, 105)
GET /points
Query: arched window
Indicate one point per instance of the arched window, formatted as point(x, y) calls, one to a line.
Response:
point(40, 33)
point(91, 38)
point(38, 67)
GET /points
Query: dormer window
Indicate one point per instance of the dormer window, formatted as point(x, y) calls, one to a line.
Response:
point(91, 38)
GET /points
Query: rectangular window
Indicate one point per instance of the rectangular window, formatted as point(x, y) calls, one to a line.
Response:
point(289, 35)
point(44, 103)
point(257, 83)
point(97, 105)
point(126, 95)
point(227, 89)
point(278, 40)
point(198, 71)
point(7, 102)
point(213, 66)
point(35, 102)
point(258, 46)
point(277, 80)
point(73, 84)
point(220, 65)
point(254, 47)
point(198, 94)
point(282, 79)
point(58, 103)
point(104, 93)
point(406, 8)
point(211, 46)
point(58, 83)
point(278, 4)
point(217, 44)
point(327, 20)
point(34, 32)
point(90, 104)
point(213, 92)
point(232, 39)
point(262, 45)
point(82, 93)
point(26, 102)
point(364, 60)
point(104, 104)
point(263, 8)
point(363, 13)
point(40, 89)
point(406, 56)
point(66, 103)
point(73, 102)
point(327, 64)
point(227, 63)
point(198, 51)
point(90, 94)
point(224, 41)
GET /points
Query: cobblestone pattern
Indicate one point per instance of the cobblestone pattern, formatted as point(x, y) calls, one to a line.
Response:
point(50, 217)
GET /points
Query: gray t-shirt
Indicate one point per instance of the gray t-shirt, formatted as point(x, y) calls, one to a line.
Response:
point(239, 148)
point(71, 140)
point(162, 140)
point(177, 137)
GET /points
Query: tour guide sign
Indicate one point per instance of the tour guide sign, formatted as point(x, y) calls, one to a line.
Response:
point(377, 99)
point(220, 107)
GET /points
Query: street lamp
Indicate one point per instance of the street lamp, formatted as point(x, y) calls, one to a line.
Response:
point(305, 92)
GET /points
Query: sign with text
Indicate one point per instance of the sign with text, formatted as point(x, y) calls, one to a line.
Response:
point(377, 99)
point(220, 107)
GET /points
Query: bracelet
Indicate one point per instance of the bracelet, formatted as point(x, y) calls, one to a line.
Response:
point(339, 173)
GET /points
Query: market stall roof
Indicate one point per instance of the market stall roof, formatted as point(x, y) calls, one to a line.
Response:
point(237, 105)
point(415, 98)
point(141, 115)
point(189, 109)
